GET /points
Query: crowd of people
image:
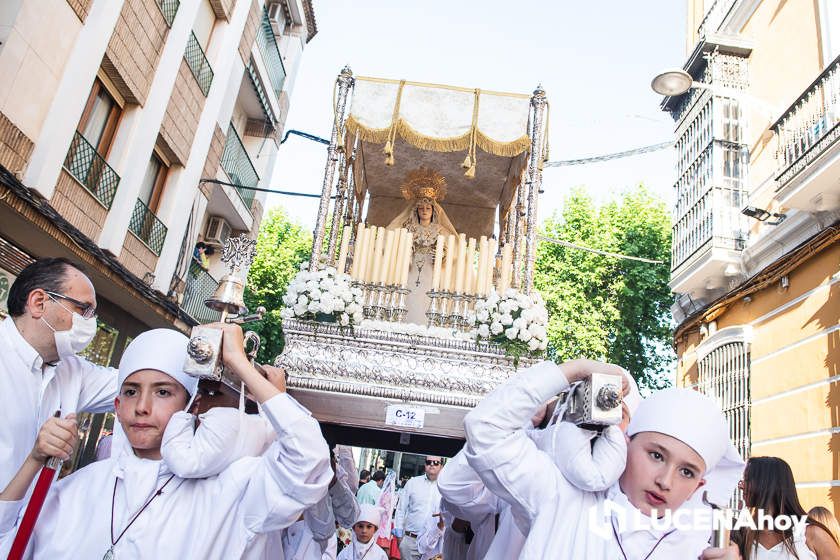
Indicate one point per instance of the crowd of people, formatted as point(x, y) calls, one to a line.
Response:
point(184, 481)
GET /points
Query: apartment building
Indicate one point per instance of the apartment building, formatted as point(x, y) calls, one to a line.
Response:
point(755, 252)
point(132, 129)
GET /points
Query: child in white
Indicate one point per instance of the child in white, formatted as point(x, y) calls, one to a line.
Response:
point(363, 546)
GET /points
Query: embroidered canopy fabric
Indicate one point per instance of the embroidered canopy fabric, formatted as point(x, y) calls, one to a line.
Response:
point(404, 125)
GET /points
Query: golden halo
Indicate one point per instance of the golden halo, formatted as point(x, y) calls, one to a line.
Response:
point(424, 183)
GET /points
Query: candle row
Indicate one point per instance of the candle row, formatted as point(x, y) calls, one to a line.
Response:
point(381, 256)
point(469, 266)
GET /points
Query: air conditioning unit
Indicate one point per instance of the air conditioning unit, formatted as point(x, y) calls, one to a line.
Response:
point(217, 232)
point(277, 16)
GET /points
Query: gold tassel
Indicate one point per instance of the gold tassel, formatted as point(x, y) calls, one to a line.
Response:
point(470, 174)
point(467, 162)
point(388, 149)
point(389, 160)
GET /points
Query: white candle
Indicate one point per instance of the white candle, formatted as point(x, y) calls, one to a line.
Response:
point(394, 270)
point(438, 263)
point(469, 282)
point(342, 253)
point(387, 257)
point(491, 263)
point(450, 258)
point(370, 258)
point(481, 280)
point(461, 265)
point(359, 253)
point(379, 259)
point(408, 250)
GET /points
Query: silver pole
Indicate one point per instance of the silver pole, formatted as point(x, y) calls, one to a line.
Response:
point(344, 84)
point(538, 102)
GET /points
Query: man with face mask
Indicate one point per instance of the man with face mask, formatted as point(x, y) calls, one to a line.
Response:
point(52, 317)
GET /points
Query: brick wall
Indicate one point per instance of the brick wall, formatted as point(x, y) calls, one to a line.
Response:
point(222, 8)
point(181, 119)
point(135, 47)
point(81, 7)
point(78, 206)
point(250, 32)
point(214, 159)
point(136, 257)
point(15, 147)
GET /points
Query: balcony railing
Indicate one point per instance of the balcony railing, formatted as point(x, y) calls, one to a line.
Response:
point(238, 166)
point(85, 164)
point(199, 287)
point(714, 222)
point(169, 8)
point(810, 125)
point(267, 44)
point(259, 90)
point(146, 226)
point(197, 61)
point(715, 17)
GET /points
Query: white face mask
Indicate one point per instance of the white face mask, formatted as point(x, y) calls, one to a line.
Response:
point(71, 342)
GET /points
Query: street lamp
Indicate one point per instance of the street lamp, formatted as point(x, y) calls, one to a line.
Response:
point(673, 82)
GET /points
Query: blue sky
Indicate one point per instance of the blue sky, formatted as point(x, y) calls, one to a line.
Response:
point(595, 60)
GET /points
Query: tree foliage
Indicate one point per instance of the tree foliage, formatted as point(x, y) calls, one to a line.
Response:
point(604, 307)
point(281, 246)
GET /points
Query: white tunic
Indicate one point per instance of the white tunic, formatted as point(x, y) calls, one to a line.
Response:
point(231, 515)
point(780, 552)
point(312, 537)
point(358, 551)
point(558, 513)
point(31, 392)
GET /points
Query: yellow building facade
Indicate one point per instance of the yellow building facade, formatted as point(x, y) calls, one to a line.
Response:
point(756, 258)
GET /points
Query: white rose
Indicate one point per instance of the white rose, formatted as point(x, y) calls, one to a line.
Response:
point(347, 296)
point(312, 285)
point(511, 333)
point(353, 308)
point(534, 345)
point(496, 316)
point(289, 299)
point(339, 305)
point(313, 307)
point(520, 323)
point(314, 295)
point(287, 313)
point(358, 317)
point(496, 327)
point(300, 310)
point(325, 307)
point(345, 319)
point(504, 307)
point(482, 315)
point(525, 336)
point(484, 331)
point(506, 319)
point(303, 300)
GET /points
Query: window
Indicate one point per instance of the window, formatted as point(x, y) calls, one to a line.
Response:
point(99, 120)
point(151, 188)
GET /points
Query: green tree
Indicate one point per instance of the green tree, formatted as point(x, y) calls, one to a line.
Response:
point(281, 246)
point(604, 307)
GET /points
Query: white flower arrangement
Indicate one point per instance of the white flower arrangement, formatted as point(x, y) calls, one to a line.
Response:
point(515, 321)
point(323, 295)
point(413, 329)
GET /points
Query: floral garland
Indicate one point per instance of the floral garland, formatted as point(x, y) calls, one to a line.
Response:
point(323, 295)
point(515, 321)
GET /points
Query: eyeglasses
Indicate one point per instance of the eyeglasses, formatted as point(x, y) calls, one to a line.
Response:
point(430, 463)
point(88, 311)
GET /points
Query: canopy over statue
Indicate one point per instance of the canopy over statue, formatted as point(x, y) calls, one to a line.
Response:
point(435, 201)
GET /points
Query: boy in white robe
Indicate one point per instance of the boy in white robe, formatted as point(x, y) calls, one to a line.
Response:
point(587, 465)
point(133, 506)
point(679, 444)
point(363, 546)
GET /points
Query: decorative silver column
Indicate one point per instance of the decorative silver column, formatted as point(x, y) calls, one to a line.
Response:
point(534, 182)
point(344, 83)
point(338, 209)
point(518, 211)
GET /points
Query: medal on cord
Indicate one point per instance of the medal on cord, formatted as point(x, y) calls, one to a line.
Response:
point(109, 554)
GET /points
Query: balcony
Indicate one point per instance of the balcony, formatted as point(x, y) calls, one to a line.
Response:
point(147, 227)
point(199, 287)
point(808, 149)
point(715, 17)
point(267, 45)
point(198, 63)
point(91, 170)
point(238, 166)
point(169, 8)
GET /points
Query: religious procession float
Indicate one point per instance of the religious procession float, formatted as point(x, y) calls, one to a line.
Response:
point(418, 299)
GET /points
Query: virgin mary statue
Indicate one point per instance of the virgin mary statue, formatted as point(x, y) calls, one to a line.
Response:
point(424, 217)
